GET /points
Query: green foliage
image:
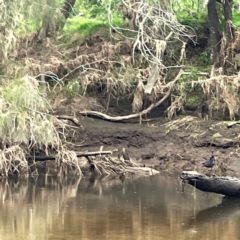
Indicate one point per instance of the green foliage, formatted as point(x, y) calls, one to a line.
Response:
point(191, 91)
point(190, 6)
point(189, 77)
point(8, 40)
point(16, 94)
point(192, 99)
point(86, 27)
point(97, 9)
point(197, 16)
point(93, 9)
point(236, 19)
point(205, 57)
point(29, 27)
point(24, 114)
point(78, 29)
point(48, 12)
point(73, 89)
point(194, 20)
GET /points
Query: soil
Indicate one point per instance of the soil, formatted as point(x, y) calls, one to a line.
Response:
point(181, 144)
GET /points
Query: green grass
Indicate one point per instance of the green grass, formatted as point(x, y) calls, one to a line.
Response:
point(28, 27)
point(86, 27)
point(195, 20)
point(236, 19)
point(193, 99)
point(72, 89)
point(205, 57)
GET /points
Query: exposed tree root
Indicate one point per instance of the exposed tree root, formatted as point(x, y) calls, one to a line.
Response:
point(135, 115)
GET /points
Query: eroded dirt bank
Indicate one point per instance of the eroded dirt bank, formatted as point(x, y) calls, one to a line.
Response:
point(182, 144)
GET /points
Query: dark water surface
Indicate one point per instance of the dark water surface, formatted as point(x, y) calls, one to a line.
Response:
point(141, 209)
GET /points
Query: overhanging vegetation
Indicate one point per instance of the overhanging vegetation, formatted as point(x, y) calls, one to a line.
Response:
point(147, 52)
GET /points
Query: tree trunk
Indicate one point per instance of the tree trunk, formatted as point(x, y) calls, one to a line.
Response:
point(48, 26)
point(215, 35)
point(229, 28)
point(67, 8)
point(79, 154)
point(227, 186)
point(229, 34)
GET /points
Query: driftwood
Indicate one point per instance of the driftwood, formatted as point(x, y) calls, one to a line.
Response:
point(70, 118)
point(79, 154)
point(227, 186)
point(135, 115)
point(127, 117)
point(142, 170)
point(230, 124)
point(124, 154)
point(106, 164)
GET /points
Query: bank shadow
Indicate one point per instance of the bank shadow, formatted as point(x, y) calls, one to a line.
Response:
point(229, 208)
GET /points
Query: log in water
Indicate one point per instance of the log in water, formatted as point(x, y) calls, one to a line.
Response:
point(227, 186)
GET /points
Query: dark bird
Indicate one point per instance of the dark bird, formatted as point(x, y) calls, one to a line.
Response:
point(210, 162)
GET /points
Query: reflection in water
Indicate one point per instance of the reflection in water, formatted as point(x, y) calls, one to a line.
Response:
point(144, 208)
point(224, 216)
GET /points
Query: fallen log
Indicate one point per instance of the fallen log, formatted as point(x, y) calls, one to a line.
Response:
point(105, 164)
point(79, 154)
point(134, 115)
point(227, 186)
point(142, 170)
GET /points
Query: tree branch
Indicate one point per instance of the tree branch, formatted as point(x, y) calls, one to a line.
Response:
point(79, 154)
point(135, 115)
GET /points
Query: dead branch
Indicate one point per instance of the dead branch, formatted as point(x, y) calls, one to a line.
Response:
point(124, 154)
point(147, 39)
point(229, 125)
point(153, 76)
point(141, 170)
point(183, 52)
point(101, 163)
point(222, 91)
point(73, 119)
point(135, 115)
point(79, 154)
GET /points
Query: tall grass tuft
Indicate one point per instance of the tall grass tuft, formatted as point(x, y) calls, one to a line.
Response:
point(25, 122)
point(24, 115)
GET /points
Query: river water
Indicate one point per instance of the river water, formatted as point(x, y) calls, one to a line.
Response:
point(135, 209)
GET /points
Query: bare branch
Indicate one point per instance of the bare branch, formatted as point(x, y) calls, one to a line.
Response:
point(152, 106)
point(151, 24)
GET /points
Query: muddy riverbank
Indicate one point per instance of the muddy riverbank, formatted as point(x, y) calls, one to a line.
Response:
point(182, 144)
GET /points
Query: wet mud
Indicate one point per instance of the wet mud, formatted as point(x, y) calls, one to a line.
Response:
point(182, 144)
